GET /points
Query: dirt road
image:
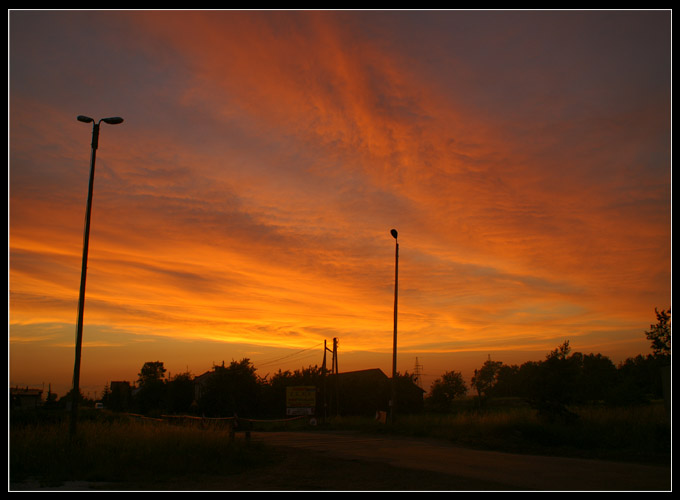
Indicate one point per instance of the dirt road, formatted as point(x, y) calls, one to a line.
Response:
point(502, 470)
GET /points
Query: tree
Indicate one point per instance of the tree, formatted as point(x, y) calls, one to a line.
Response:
point(180, 393)
point(485, 378)
point(409, 394)
point(557, 376)
point(106, 395)
point(445, 390)
point(525, 379)
point(151, 394)
point(561, 352)
point(596, 378)
point(82, 399)
point(233, 389)
point(507, 381)
point(553, 384)
point(118, 396)
point(151, 372)
point(660, 334)
point(634, 381)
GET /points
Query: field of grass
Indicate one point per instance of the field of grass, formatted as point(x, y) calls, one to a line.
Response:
point(637, 434)
point(110, 448)
point(127, 451)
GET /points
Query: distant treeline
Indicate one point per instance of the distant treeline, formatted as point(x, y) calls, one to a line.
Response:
point(566, 378)
point(236, 389)
point(562, 378)
point(224, 391)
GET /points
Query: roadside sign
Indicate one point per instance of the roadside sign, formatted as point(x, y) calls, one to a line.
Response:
point(300, 400)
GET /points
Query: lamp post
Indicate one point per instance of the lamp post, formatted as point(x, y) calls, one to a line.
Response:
point(394, 234)
point(83, 273)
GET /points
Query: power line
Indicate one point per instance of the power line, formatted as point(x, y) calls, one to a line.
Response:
point(269, 362)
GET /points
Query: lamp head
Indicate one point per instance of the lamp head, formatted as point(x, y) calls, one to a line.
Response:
point(114, 120)
point(84, 119)
point(393, 232)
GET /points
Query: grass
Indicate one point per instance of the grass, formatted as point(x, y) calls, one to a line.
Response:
point(123, 450)
point(113, 449)
point(635, 434)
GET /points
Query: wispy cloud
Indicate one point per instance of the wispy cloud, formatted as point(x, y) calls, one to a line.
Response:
point(248, 196)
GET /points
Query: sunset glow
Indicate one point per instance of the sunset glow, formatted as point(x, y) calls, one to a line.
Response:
point(243, 208)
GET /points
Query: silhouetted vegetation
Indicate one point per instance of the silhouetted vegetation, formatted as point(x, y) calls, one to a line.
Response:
point(151, 393)
point(230, 390)
point(113, 448)
point(237, 389)
point(445, 390)
point(565, 378)
point(484, 379)
point(660, 334)
point(180, 393)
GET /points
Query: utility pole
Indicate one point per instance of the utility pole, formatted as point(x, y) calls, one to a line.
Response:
point(335, 355)
point(417, 374)
point(337, 376)
point(334, 375)
point(393, 407)
point(324, 373)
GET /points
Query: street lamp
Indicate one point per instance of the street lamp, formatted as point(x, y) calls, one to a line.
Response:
point(394, 234)
point(86, 242)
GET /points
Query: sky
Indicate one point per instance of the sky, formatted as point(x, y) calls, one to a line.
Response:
point(243, 208)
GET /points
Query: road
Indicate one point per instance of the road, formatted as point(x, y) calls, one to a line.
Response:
point(507, 471)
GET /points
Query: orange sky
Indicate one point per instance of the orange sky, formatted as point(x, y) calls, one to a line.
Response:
point(243, 208)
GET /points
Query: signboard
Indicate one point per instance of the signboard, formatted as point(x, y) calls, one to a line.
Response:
point(300, 400)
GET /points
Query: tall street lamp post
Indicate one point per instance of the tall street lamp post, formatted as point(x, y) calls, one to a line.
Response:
point(83, 273)
point(393, 408)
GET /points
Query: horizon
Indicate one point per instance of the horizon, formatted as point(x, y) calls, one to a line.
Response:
point(93, 391)
point(243, 208)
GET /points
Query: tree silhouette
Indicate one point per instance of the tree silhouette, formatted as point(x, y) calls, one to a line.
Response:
point(117, 396)
point(562, 378)
point(660, 334)
point(445, 390)
point(82, 399)
point(151, 372)
point(596, 377)
point(234, 389)
point(553, 384)
point(556, 376)
point(151, 394)
point(485, 378)
point(507, 381)
point(180, 393)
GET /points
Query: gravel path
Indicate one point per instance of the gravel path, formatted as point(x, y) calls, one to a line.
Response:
point(514, 471)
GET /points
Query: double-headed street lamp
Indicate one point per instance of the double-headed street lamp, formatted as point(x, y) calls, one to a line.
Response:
point(394, 234)
point(86, 242)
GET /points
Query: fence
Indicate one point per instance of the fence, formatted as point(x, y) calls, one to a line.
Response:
point(234, 424)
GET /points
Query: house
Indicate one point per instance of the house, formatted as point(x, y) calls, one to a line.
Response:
point(25, 398)
point(200, 382)
point(365, 392)
point(120, 396)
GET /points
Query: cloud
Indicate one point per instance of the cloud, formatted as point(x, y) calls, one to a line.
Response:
point(264, 157)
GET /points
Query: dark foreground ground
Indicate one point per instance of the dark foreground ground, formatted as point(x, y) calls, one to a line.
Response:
point(344, 461)
point(297, 471)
